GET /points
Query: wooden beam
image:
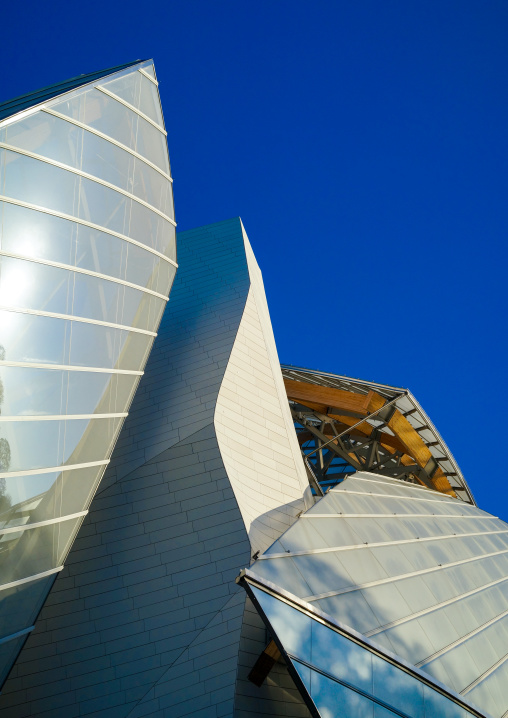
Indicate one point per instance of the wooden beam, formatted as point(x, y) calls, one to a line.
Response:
point(264, 664)
point(328, 396)
point(333, 402)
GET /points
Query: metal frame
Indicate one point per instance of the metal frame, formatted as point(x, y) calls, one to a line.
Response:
point(33, 577)
point(53, 469)
point(149, 77)
point(248, 578)
point(376, 544)
point(100, 134)
point(85, 175)
point(60, 417)
point(39, 524)
point(132, 108)
point(435, 607)
point(69, 367)
point(73, 318)
point(350, 449)
point(80, 270)
point(85, 223)
point(402, 576)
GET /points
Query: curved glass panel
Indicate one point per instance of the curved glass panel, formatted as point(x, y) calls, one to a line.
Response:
point(27, 391)
point(47, 340)
point(42, 247)
point(59, 140)
point(36, 235)
point(35, 182)
point(139, 92)
point(32, 551)
point(8, 653)
point(36, 444)
point(21, 604)
point(343, 677)
point(104, 114)
point(39, 497)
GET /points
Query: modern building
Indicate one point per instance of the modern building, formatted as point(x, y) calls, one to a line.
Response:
point(266, 540)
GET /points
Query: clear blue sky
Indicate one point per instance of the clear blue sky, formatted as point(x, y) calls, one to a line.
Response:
point(364, 144)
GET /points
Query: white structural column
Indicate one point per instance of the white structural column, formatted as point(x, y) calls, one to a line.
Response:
point(254, 429)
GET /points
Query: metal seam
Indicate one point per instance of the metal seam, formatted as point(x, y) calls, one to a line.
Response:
point(85, 223)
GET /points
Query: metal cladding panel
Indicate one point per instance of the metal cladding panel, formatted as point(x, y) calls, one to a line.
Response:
point(146, 618)
point(422, 575)
point(82, 290)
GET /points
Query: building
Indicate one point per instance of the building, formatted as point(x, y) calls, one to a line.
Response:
point(265, 540)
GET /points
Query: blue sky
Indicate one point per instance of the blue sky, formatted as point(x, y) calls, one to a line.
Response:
point(364, 145)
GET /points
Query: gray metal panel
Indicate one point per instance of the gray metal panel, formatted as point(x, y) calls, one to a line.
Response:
point(148, 595)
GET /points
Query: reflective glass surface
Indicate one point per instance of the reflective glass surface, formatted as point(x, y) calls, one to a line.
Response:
point(421, 574)
point(104, 114)
point(343, 677)
point(59, 140)
point(39, 497)
point(32, 551)
point(35, 392)
point(126, 196)
point(47, 340)
point(21, 604)
point(36, 444)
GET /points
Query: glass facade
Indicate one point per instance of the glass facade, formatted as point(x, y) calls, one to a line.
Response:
point(87, 260)
point(340, 676)
point(420, 573)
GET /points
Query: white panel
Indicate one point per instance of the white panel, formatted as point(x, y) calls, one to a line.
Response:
point(254, 427)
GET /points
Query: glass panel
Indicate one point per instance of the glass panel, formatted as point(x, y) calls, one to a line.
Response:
point(107, 161)
point(152, 187)
point(30, 285)
point(37, 235)
point(41, 497)
point(283, 571)
point(103, 206)
point(106, 301)
point(333, 699)
point(150, 228)
point(34, 286)
point(106, 347)
point(33, 551)
point(102, 113)
point(397, 688)
point(48, 136)
point(33, 392)
point(352, 609)
point(139, 92)
point(8, 654)
point(335, 654)
point(150, 70)
point(323, 571)
point(293, 627)
point(127, 87)
point(39, 183)
point(152, 144)
point(21, 605)
point(28, 338)
point(439, 705)
point(149, 103)
point(39, 444)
